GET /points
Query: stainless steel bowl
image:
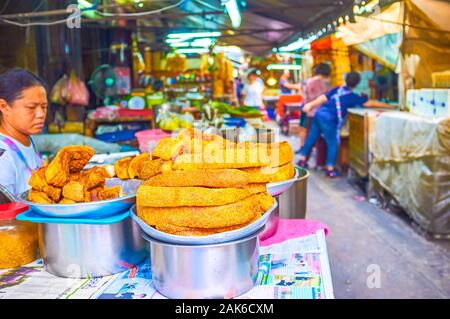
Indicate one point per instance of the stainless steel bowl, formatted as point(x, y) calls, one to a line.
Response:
point(219, 271)
point(90, 209)
point(205, 240)
point(271, 225)
point(278, 188)
point(91, 248)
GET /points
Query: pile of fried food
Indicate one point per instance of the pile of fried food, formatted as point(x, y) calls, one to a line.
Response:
point(64, 181)
point(199, 184)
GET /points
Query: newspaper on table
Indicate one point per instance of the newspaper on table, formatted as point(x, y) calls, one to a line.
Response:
point(294, 269)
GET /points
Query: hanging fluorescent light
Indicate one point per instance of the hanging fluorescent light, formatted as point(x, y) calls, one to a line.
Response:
point(233, 12)
point(175, 40)
point(203, 42)
point(180, 44)
point(299, 44)
point(193, 35)
point(192, 50)
point(284, 67)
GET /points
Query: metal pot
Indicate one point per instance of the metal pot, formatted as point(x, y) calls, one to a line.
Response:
point(81, 248)
point(223, 270)
point(292, 202)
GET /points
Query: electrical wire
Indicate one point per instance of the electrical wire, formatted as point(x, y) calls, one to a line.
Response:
point(5, 6)
point(138, 14)
point(29, 24)
point(62, 21)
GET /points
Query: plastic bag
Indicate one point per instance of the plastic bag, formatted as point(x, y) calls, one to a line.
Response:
point(78, 93)
point(59, 92)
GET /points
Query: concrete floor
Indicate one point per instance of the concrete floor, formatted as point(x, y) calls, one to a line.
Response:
point(364, 238)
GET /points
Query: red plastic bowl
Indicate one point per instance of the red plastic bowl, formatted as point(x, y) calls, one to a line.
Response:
point(11, 210)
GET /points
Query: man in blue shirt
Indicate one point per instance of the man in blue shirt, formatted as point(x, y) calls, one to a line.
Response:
point(331, 113)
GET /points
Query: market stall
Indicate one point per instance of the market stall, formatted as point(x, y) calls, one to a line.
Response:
point(148, 203)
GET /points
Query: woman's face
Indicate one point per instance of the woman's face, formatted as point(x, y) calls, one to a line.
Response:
point(251, 78)
point(27, 113)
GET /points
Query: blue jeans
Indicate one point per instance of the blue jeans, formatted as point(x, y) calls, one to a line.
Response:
point(330, 133)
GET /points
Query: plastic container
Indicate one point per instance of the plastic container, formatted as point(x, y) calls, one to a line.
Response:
point(149, 138)
point(18, 239)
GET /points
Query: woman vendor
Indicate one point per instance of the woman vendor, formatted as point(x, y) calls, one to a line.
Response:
point(23, 108)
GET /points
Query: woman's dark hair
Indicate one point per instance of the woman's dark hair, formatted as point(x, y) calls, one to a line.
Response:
point(352, 79)
point(14, 81)
point(322, 69)
point(253, 72)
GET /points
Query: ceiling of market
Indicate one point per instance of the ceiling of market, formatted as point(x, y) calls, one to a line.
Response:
point(265, 23)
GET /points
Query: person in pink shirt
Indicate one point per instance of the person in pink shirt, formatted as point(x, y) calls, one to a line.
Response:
point(314, 87)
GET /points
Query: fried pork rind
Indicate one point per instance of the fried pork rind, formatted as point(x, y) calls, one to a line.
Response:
point(38, 182)
point(203, 217)
point(256, 188)
point(74, 191)
point(108, 171)
point(110, 193)
point(93, 178)
point(189, 231)
point(168, 148)
point(36, 196)
point(265, 201)
point(154, 196)
point(227, 158)
point(70, 159)
point(280, 154)
point(270, 174)
point(121, 167)
point(220, 178)
point(136, 164)
point(150, 168)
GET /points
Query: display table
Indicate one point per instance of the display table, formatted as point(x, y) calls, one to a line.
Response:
point(411, 161)
point(125, 116)
point(293, 265)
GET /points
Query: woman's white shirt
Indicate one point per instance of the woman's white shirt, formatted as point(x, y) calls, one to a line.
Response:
point(14, 173)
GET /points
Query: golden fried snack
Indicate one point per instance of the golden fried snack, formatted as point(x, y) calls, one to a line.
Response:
point(154, 196)
point(74, 191)
point(121, 168)
point(265, 201)
point(74, 177)
point(110, 193)
point(66, 201)
point(280, 154)
point(284, 172)
point(203, 217)
point(221, 159)
point(70, 159)
point(189, 231)
point(109, 171)
point(150, 168)
point(37, 179)
point(136, 164)
point(92, 178)
point(270, 174)
point(168, 148)
point(36, 196)
point(38, 182)
point(220, 178)
point(167, 166)
point(256, 188)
